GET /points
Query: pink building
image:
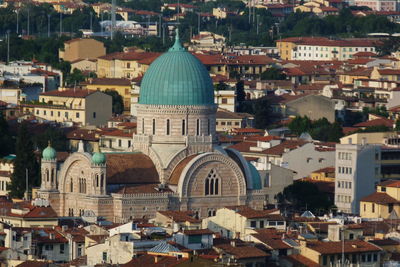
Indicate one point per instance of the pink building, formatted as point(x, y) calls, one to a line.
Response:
point(377, 5)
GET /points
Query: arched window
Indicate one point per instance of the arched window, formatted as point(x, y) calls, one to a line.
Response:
point(211, 186)
point(142, 126)
point(198, 127)
point(208, 127)
point(102, 184)
point(52, 176)
point(97, 180)
point(168, 127)
point(47, 175)
point(154, 126)
point(71, 186)
point(183, 127)
point(84, 185)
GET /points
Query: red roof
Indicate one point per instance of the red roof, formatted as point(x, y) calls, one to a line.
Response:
point(78, 93)
point(335, 247)
point(323, 41)
point(376, 122)
point(380, 198)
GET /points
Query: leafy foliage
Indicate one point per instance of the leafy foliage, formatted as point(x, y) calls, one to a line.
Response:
point(380, 111)
point(117, 101)
point(25, 160)
point(53, 135)
point(321, 129)
point(273, 74)
point(301, 196)
point(6, 141)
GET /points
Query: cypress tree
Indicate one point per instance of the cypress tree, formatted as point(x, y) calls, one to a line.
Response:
point(6, 141)
point(25, 160)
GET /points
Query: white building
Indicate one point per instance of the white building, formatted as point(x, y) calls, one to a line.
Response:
point(357, 172)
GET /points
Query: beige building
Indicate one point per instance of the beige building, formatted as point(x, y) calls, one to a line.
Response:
point(84, 107)
point(128, 64)
point(207, 41)
point(82, 48)
point(384, 203)
point(240, 221)
point(85, 65)
point(6, 170)
point(227, 120)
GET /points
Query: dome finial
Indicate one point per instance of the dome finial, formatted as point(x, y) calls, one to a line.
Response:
point(177, 45)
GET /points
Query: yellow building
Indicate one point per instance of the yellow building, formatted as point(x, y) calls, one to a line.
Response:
point(385, 74)
point(129, 64)
point(383, 203)
point(84, 107)
point(349, 76)
point(6, 170)
point(82, 48)
point(285, 48)
point(122, 86)
point(325, 174)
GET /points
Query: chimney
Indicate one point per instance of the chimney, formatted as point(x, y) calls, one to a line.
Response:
point(233, 243)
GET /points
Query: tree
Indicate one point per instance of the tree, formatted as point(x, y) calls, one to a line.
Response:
point(53, 135)
point(117, 101)
point(273, 74)
point(6, 141)
point(300, 125)
point(75, 77)
point(240, 94)
point(397, 127)
point(25, 160)
point(321, 129)
point(262, 113)
point(301, 196)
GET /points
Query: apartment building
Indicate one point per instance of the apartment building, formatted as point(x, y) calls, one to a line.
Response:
point(322, 49)
point(82, 48)
point(378, 5)
point(120, 85)
point(83, 107)
point(362, 161)
point(128, 64)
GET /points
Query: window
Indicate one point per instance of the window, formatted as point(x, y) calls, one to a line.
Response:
point(198, 127)
point(142, 126)
point(129, 143)
point(211, 185)
point(261, 224)
point(94, 115)
point(253, 224)
point(183, 127)
point(59, 114)
point(119, 142)
point(154, 126)
point(168, 127)
point(194, 239)
point(44, 112)
point(51, 113)
point(365, 207)
point(373, 207)
point(66, 114)
point(208, 127)
point(61, 248)
point(224, 101)
point(77, 114)
point(71, 186)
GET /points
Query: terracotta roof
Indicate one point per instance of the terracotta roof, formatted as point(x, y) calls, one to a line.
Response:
point(33, 264)
point(242, 252)
point(118, 133)
point(83, 134)
point(323, 41)
point(247, 130)
point(376, 122)
point(272, 239)
point(142, 189)
point(390, 183)
point(130, 168)
point(176, 173)
point(180, 216)
point(226, 114)
point(364, 54)
point(350, 246)
point(78, 93)
point(321, 227)
point(97, 238)
point(326, 169)
point(5, 174)
point(131, 56)
point(109, 81)
point(150, 261)
point(285, 145)
point(300, 260)
point(389, 71)
point(198, 232)
point(250, 213)
point(379, 198)
point(384, 242)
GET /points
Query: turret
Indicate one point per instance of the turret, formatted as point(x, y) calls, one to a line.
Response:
point(49, 169)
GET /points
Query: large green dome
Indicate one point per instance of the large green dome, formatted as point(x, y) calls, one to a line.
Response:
point(177, 78)
point(49, 153)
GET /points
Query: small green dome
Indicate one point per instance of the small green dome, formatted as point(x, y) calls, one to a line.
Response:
point(255, 176)
point(98, 158)
point(49, 153)
point(177, 78)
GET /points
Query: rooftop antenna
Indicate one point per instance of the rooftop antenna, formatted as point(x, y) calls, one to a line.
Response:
point(112, 18)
